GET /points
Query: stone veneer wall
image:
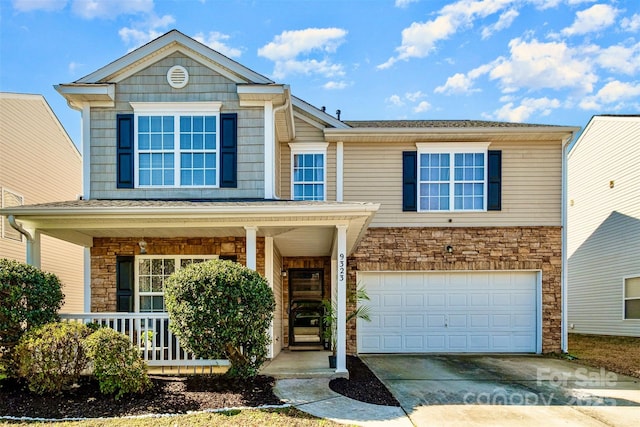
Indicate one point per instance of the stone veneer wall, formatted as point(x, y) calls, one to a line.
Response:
point(475, 248)
point(302, 262)
point(105, 251)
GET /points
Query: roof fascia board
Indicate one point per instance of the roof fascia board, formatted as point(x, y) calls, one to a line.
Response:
point(144, 55)
point(318, 114)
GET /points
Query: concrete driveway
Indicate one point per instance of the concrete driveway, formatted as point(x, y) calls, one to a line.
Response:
point(483, 390)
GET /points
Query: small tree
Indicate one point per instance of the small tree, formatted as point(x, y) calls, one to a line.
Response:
point(29, 298)
point(221, 309)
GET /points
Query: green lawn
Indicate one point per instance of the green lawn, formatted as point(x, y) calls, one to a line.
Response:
point(289, 417)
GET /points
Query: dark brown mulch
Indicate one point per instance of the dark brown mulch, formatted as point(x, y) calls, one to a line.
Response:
point(168, 395)
point(362, 385)
point(176, 395)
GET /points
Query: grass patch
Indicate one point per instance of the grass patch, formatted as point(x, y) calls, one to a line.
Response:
point(617, 354)
point(290, 417)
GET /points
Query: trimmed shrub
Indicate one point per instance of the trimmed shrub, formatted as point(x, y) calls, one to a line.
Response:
point(221, 309)
point(51, 357)
point(116, 363)
point(29, 298)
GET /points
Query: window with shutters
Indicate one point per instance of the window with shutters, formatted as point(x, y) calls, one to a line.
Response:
point(152, 271)
point(177, 144)
point(308, 171)
point(452, 177)
point(9, 199)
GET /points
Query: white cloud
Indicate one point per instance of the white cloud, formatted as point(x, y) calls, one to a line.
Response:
point(395, 100)
point(612, 93)
point(333, 85)
point(414, 96)
point(216, 41)
point(528, 106)
point(505, 21)
point(458, 83)
point(152, 28)
point(596, 18)
point(46, 5)
point(405, 3)
point(73, 67)
point(631, 24)
point(620, 59)
point(535, 65)
point(292, 52)
point(422, 107)
point(420, 38)
point(90, 9)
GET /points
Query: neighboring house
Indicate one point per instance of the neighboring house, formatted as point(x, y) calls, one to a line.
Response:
point(39, 163)
point(454, 227)
point(603, 247)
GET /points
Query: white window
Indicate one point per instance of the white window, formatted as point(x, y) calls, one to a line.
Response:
point(452, 177)
point(308, 171)
point(177, 144)
point(9, 199)
point(152, 271)
point(632, 298)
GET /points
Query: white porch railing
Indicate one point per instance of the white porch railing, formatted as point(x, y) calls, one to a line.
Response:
point(150, 333)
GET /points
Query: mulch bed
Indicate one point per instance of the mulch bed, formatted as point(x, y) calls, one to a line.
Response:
point(175, 395)
point(362, 385)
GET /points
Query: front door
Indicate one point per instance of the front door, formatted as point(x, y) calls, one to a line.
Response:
point(305, 307)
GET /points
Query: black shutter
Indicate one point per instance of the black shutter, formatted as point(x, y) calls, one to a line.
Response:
point(124, 284)
point(228, 150)
point(494, 196)
point(409, 181)
point(124, 150)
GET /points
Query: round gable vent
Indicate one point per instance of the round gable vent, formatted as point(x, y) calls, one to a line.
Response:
point(177, 76)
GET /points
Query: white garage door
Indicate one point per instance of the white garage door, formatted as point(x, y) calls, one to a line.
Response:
point(417, 312)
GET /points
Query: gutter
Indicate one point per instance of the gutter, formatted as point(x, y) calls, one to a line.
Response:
point(19, 228)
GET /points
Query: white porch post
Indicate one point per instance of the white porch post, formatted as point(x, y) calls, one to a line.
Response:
point(268, 273)
point(33, 249)
point(251, 246)
point(341, 301)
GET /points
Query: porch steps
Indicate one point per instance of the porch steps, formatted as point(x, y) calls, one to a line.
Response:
point(301, 364)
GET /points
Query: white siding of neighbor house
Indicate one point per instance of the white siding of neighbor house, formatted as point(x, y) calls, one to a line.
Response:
point(603, 225)
point(39, 162)
point(531, 186)
point(150, 85)
point(306, 133)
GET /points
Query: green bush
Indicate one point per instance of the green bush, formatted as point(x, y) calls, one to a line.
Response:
point(221, 309)
point(51, 357)
point(116, 363)
point(29, 298)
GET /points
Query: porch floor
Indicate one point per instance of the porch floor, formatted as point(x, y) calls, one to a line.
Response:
point(300, 364)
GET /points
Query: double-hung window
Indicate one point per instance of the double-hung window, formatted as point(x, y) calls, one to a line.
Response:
point(308, 171)
point(452, 177)
point(177, 144)
point(632, 298)
point(151, 273)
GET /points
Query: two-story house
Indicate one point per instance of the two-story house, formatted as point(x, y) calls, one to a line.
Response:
point(453, 227)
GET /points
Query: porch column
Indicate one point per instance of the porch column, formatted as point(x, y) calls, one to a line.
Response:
point(341, 301)
point(33, 249)
point(251, 246)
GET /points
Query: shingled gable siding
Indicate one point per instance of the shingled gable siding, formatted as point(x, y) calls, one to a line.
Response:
point(105, 250)
point(150, 85)
point(476, 248)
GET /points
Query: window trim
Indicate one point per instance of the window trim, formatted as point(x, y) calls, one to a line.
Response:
point(452, 149)
point(625, 299)
point(309, 148)
point(136, 275)
point(174, 109)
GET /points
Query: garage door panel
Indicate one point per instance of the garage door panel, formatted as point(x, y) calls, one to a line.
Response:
point(450, 312)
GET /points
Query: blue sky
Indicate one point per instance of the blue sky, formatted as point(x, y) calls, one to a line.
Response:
point(534, 61)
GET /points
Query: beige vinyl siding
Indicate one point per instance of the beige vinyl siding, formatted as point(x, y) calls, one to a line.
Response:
point(150, 85)
point(307, 133)
point(39, 162)
point(531, 186)
point(603, 225)
point(278, 334)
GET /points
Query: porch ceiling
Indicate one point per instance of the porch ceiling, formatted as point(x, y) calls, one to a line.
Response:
point(298, 228)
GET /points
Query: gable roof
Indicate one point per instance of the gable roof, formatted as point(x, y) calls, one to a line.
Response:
point(164, 46)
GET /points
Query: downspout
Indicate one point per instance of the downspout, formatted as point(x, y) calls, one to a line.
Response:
point(33, 242)
point(274, 111)
point(19, 228)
